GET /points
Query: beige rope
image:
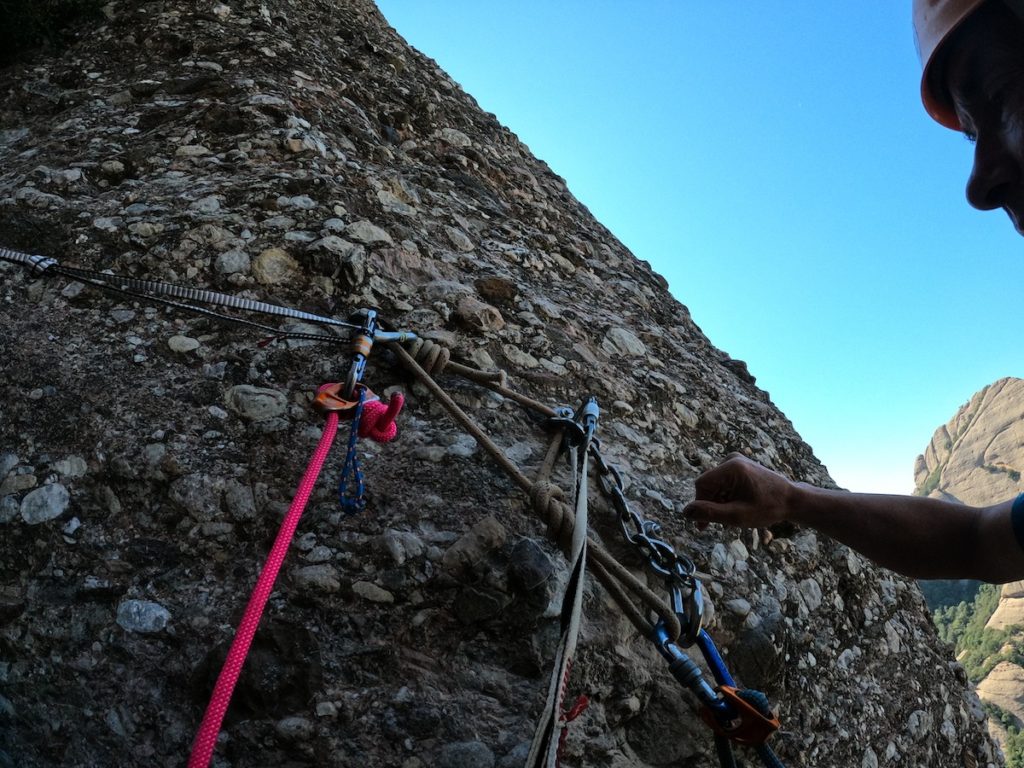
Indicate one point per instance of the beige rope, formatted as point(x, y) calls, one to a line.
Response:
point(435, 358)
point(548, 503)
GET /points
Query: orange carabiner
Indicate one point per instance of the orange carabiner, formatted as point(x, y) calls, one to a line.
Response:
point(328, 399)
point(750, 727)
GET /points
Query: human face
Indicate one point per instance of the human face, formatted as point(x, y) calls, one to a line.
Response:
point(985, 80)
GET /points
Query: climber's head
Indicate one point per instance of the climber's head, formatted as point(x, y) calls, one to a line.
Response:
point(972, 54)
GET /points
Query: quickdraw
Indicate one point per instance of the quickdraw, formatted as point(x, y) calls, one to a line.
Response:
point(734, 714)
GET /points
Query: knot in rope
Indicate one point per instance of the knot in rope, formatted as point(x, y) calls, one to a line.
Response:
point(548, 501)
point(431, 356)
point(378, 419)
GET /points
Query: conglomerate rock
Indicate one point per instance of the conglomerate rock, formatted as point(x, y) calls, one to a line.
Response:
point(299, 151)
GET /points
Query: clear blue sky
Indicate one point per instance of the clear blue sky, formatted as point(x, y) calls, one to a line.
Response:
point(773, 162)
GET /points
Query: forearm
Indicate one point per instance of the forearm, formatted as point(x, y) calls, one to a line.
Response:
point(915, 536)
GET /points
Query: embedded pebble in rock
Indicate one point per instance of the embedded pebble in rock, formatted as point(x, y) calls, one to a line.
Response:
point(334, 244)
point(240, 501)
point(15, 483)
point(473, 546)
point(8, 461)
point(367, 233)
point(466, 754)
point(320, 578)
point(920, 724)
point(519, 452)
point(192, 150)
point(530, 569)
point(326, 709)
point(183, 344)
point(473, 313)
point(622, 341)
point(518, 357)
point(256, 403)
point(738, 550)
point(207, 205)
point(402, 545)
point(72, 466)
point(302, 202)
point(459, 239)
point(274, 266)
point(455, 137)
point(123, 315)
point(233, 262)
point(318, 554)
point(198, 494)
point(738, 606)
point(294, 729)
point(372, 592)
point(463, 447)
point(810, 590)
point(142, 616)
point(46, 503)
point(431, 453)
point(392, 204)
point(112, 169)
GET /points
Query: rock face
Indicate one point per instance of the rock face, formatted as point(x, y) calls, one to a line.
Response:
point(1004, 687)
point(299, 151)
point(978, 457)
point(1010, 611)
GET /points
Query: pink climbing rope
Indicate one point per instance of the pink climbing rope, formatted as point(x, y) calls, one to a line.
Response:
point(378, 419)
point(206, 739)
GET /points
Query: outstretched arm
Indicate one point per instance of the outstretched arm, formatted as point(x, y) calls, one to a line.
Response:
point(915, 536)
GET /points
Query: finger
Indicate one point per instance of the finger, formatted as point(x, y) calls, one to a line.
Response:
point(714, 512)
point(708, 484)
point(703, 510)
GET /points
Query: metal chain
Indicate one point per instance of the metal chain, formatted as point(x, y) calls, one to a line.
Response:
point(678, 570)
point(643, 534)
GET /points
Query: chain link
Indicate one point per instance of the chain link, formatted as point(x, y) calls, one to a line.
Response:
point(643, 534)
point(678, 570)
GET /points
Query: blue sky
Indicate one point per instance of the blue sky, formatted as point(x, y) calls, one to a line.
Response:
point(773, 162)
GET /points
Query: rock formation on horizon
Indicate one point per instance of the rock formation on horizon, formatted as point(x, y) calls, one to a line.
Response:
point(299, 151)
point(977, 458)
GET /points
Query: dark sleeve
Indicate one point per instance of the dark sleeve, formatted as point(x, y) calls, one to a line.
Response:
point(1017, 518)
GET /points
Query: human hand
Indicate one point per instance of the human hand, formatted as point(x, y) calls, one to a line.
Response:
point(741, 492)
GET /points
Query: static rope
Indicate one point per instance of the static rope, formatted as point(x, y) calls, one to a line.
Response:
point(434, 359)
point(549, 739)
point(559, 518)
point(206, 738)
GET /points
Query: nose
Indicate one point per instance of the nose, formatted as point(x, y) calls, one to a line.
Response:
point(994, 175)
